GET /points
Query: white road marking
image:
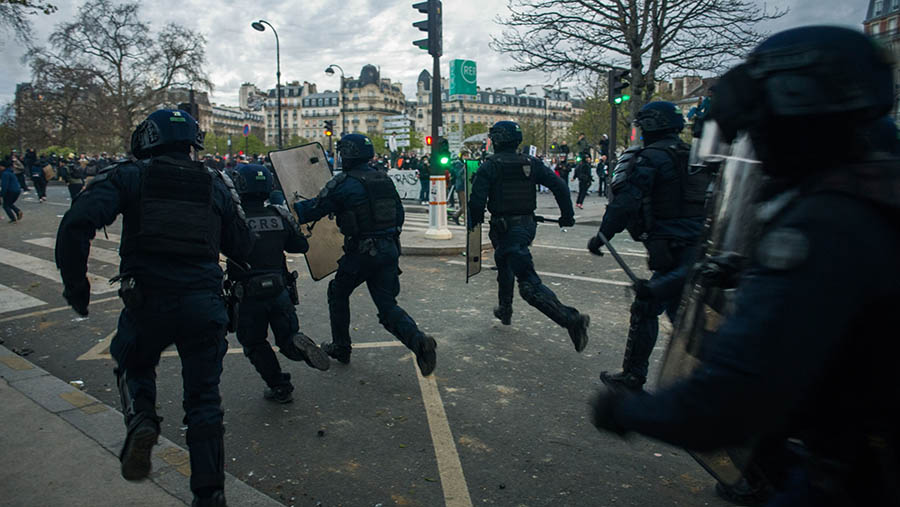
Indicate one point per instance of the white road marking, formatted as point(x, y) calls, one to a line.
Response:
point(97, 253)
point(453, 480)
point(560, 275)
point(585, 250)
point(47, 269)
point(53, 310)
point(12, 300)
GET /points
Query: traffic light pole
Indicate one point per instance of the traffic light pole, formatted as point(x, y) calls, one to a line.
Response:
point(611, 158)
point(437, 202)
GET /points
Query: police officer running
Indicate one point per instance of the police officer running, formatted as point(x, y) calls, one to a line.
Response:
point(370, 215)
point(177, 217)
point(804, 365)
point(505, 183)
point(267, 292)
point(661, 202)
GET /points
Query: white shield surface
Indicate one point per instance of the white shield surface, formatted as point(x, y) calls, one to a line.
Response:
point(302, 172)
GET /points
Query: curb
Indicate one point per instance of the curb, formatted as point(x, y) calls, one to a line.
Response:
point(104, 425)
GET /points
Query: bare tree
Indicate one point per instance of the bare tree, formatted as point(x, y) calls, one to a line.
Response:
point(14, 16)
point(650, 37)
point(129, 65)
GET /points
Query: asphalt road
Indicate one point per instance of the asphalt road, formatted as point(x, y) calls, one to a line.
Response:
point(504, 420)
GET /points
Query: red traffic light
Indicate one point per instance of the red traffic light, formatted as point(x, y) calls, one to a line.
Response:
point(428, 140)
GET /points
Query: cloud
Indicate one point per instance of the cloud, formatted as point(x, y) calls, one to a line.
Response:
point(351, 33)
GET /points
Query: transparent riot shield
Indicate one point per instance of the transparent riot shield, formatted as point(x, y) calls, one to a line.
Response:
point(473, 237)
point(302, 172)
point(730, 230)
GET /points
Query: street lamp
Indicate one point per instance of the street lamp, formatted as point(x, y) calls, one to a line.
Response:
point(258, 26)
point(330, 72)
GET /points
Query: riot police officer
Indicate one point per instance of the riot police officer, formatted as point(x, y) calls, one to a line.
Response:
point(505, 183)
point(177, 217)
point(801, 370)
point(661, 203)
point(370, 215)
point(268, 291)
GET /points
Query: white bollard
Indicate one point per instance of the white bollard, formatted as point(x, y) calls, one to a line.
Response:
point(437, 210)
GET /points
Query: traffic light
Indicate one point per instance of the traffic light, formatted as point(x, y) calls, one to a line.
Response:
point(432, 25)
point(443, 154)
point(427, 140)
point(619, 79)
point(329, 128)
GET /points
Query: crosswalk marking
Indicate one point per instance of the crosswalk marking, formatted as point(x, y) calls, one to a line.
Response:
point(97, 253)
point(12, 300)
point(47, 269)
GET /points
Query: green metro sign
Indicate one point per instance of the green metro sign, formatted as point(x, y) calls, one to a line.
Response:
point(463, 74)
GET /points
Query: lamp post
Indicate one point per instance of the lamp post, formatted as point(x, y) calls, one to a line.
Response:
point(258, 25)
point(330, 71)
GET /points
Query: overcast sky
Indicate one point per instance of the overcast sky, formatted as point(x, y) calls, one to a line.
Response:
point(351, 33)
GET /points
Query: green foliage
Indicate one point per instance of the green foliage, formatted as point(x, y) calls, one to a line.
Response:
point(59, 151)
point(251, 145)
point(595, 121)
point(471, 129)
point(415, 142)
point(294, 141)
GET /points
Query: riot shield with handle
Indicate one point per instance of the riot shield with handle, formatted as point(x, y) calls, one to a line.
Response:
point(303, 171)
point(473, 236)
point(707, 301)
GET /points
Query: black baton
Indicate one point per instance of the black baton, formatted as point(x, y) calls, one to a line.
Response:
point(618, 258)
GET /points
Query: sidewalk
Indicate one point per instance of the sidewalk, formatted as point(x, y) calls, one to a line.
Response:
point(60, 447)
point(414, 242)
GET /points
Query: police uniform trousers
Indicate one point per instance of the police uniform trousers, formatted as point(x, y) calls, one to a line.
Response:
point(195, 322)
point(514, 262)
point(644, 325)
point(375, 262)
point(255, 316)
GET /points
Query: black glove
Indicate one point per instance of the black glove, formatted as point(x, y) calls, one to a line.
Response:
point(566, 221)
point(78, 296)
point(642, 289)
point(602, 411)
point(594, 245)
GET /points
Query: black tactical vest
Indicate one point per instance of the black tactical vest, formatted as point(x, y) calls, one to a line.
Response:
point(513, 192)
point(176, 217)
point(683, 193)
point(378, 212)
point(272, 234)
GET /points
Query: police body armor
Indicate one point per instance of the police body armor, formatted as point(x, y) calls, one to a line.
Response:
point(175, 212)
point(683, 196)
point(514, 193)
point(379, 212)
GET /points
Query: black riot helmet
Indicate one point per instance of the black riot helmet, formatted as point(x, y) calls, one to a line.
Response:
point(166, 130)
point(355, 149)
point(797, 88)
point(506, 136)
point(253, 180)
point(659, 116)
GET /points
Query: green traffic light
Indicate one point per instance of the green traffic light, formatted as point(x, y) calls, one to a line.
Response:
point(445, 160)
point(617, 100)
point(626, 98)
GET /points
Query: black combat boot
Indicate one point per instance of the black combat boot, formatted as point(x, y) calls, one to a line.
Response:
point(578, 331)
point(426, 356)
point(339, 353)
point(310, 352)
point(504, 314)
point(623, 379)
point(143, 431)
point(217, 499)
point(281, 393)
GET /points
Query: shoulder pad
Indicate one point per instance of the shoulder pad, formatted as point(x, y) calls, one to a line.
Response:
point(332, 184)
point(235, 198)
point(105, 174)
point(285, 214)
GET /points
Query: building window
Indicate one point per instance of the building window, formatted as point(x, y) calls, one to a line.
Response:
point(879, 4)
point(895, 4)
point(892, 25)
